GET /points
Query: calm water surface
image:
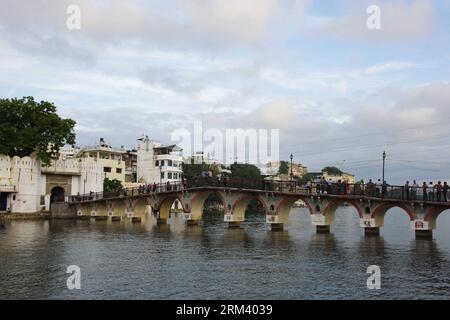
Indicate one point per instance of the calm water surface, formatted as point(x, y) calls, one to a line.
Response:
point(143, 261)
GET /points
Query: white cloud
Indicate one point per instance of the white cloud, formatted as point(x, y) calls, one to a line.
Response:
point(390, 66)
point(400, 20)
point(276, 114)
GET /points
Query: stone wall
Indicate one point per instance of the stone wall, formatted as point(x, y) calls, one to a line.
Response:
point(62, 210)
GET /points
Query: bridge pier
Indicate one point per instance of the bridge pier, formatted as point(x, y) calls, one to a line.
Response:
point(276, 227)
point(161, 221)
point(275, 221)
point(370, 226)
point(192, 222)
point(234, 220)
point(322, 223)
point(373, 231)
point(234, 224)
point(323, 229)
point(424, 234)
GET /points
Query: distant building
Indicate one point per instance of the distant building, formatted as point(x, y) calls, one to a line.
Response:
point(67, 152)
point(108, 157)
point(26, 186)
point(157, 163)
point(344, 176)
point(272, 170)
point(199, 157)
point(130, 160)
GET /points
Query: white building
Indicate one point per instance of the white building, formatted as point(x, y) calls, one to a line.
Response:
point(110, 158)
point(158, 163)
point(272, 168)
point(26, 186)
point(199, 157)
point(67, 152)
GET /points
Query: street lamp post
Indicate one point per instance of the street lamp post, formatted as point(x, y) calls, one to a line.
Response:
point(382, 180)
point(292, 157)
point(160, 175)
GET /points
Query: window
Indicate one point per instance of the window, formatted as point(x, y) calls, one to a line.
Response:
point(157, 163)
point(118, 170)
point(162, 163)
point(107, 169)
point(169, 175)
point(162, 175)
point(169, 163)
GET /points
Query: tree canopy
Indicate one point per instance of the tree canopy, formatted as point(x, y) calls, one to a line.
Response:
point(245, 170)
point(113, 185)
point(193, 170)
point(284, 167)
point(28, 127)
point(332, 170)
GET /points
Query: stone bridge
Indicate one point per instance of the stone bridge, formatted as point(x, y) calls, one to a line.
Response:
point(276, 198)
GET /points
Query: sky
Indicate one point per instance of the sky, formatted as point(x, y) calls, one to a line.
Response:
point(339, 93)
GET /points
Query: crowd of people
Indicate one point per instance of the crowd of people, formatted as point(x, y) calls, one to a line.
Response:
point(438, 192)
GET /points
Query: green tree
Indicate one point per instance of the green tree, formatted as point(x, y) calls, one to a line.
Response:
point(28, 127)
point(332, 170)
point(193, 170)
point(113, 185)
point(284, 167)
point(245, 170)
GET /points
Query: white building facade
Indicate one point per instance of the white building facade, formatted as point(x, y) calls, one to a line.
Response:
point(26, 186)
point(157, 163)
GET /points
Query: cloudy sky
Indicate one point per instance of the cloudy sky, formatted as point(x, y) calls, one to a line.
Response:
point(339, 93)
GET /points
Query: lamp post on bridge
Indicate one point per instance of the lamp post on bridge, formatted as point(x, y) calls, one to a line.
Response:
point(292, 157)
point(382, 178)
point(160, 175)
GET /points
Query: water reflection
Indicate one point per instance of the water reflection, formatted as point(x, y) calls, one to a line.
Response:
point(124, 260)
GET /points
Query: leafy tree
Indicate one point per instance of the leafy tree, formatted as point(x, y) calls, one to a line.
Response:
point(284, 167)
point(332, 170)
point(28, 127)
point(113, 185)
point(248, 171)
point(193, 170)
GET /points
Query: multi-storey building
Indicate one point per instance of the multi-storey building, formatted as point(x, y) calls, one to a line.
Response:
point(130, 159)
point(157, 163)
point(108, 157)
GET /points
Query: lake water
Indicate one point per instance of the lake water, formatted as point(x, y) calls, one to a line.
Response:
point(120, 260)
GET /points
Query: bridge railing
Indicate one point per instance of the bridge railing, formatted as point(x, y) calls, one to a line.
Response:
point(339, 188)
point(243, 183)
point(379, 191)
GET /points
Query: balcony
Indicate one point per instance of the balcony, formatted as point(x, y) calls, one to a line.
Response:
point(173, 157)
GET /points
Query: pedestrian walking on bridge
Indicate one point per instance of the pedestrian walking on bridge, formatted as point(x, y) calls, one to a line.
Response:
point(445, 189)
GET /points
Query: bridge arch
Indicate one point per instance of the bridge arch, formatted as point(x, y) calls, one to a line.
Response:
point(331, 207)
point(101, 208)
point(285, 205)
point(329, 210)
point(241, 204)
point(165, 205)
point(119, 207)
point(432, 214)
point(140, 206)
point(197, 204)
point(380, 211)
